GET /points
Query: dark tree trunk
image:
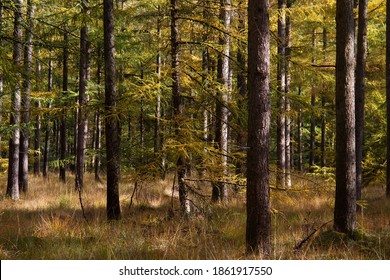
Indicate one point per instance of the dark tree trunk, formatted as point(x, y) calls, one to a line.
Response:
point(24, 136)
point(313, 104)
point(37, 142)
point(258, 225)
point(1, 70)
point(45, 168)
point(14, 144)
point(299, 136)
point(281, 87)
point(113, 137)
point(219, 192)
point(82, 128)
point(178, 106)
point(98, 121)
point(242, 138)
point(323, 103)
point(360, 88)
point(157, 136)
point(287, 99)
point(388, 95)
point(345, 203)
point(62, 140)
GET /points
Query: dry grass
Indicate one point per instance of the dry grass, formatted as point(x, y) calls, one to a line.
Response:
point(48, 224)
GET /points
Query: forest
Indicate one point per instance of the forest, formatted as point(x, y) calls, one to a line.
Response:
point(194, 129)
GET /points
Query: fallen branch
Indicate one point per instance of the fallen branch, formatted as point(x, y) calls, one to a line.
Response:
point(298, 246)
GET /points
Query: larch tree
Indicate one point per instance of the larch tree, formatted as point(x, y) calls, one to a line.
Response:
point(345, 200)
point(258, 224)
point(25, 102)
point(82, 118)
point(63, 130)
point(220, 192)
point(112, 123)
point(360, 88)
point(1, 71)
point(178, 107)
point(14, 143)
point(281, 88)
point(388, 95)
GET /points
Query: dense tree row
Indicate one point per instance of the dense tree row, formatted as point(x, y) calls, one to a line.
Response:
point(219, 90)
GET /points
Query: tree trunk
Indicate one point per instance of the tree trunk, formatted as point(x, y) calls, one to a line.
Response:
point(98, 121)
point(219, 192)
point(14, 143)
point(287, 99)
point(281, 88)
point(360, 88)
point(313, 104)
point(178, 107)
point(299, 136)
point(258, 225)
point(45, 168)
point(388, 95)
point(323, 103)
point(345, 203)
point(1, 70)
point(242, 138)
point(24, 136)
point(62, 140)
point(113, 137)
point(82, 128)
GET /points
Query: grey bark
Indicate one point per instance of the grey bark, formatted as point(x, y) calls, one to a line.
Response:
point(360, 88)
point(82, 128)
point(345, 201)
point(24, 136)
point(281, 88)
point(113, 137)
point(14, 143)
point(258, 224)
point(63, 130)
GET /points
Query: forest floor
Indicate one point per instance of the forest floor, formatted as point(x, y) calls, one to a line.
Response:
point(48, 223)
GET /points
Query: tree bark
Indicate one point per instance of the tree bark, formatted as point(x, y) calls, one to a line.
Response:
point(82, 128)
point(388, 95)
point(63, 130)
point(14, 143)
point(220, 192)
point(178, 107)
point(24, 136)
point(281, 88)
point(323, 103)
point(113, 137)
point(287, 99)
point(45, 168)
point(345, 202)
point(313, 104)
point(360, 88)
point(258, 225)
point(299, 136)
point(1, 70)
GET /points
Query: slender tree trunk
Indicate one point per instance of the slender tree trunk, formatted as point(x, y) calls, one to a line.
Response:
point(82, 128)
point(24, 136)
point(323, 103)
point(281, 79)
point(258, 224)
point(313, 104)
point(14, 144)
point(388, 95)
point(219, 192)
point(37, 131)
point(178, 107)
point(45, 168)
point(345, 202)
point(63, 130)
point(156, 139)
point(98, 121)
point(113, 137)
point(242, 138)
point(299, 128)
point(360, 88)
point(1, 71)
point(287, 99)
